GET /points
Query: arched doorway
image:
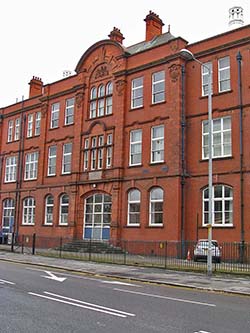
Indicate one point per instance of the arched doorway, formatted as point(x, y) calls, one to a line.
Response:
point(97, 216)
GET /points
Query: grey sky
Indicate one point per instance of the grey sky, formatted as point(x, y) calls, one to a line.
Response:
point(43, 38)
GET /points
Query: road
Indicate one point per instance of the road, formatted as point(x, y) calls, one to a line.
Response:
point(35, 299)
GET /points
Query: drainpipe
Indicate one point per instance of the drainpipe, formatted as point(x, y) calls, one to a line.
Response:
point(242, 232)
point(183, 125)
point(19, 172)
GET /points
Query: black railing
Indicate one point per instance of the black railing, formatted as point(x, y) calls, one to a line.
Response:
point(234, 257)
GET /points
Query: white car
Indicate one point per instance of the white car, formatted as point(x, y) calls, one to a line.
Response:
point(201, 250)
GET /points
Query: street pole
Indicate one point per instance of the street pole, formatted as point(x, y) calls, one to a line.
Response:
point(188, 55)
point(210, 174)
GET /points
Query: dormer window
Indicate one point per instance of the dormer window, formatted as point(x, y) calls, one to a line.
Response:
point(101, 100)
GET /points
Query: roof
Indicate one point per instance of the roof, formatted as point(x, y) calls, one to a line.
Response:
point(145, 45)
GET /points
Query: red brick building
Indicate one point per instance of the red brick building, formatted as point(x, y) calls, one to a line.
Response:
point(119, 150)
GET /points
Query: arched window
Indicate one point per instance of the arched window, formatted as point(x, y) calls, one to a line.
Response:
point(156, 207)
point(8, 215)
point(109, 102)
point(49, 206)
point(101, 91)
point(29, 207)
point(222, 205)
point(109, 88)
point(93, 96)
point(101, 100)
point(64, 209)
point(134, 207)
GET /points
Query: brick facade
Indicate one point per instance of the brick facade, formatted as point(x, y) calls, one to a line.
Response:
point(105, 137)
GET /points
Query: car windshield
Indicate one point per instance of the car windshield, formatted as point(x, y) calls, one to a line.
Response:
point(205, 243)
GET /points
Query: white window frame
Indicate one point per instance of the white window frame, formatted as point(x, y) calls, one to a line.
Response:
point(55, 110)
point(10, 131)
point(86, 155)
point(85, 160)
point(69, 111)
point(224, 134)
point(134, 200)
point(137, 93)
point(63, 218)
point(17, 128)
point(30, 126)
point(157, 141)
point(153, 203)
point(8, 215)
point(49, 210)
point(158, 87)
point(109, 98)
point(100, 158)
point(38, 124)
point(67, 158)
point(223, 202)
point(29, 206)
point(93, 159)
point(31, 166)
point(134, 145)
point(52, 153)
point(10, 169)
point(224, 74)
point(205, 68)
point(109, 151)
point(101, 101)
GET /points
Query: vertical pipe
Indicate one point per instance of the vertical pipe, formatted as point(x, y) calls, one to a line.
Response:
point(19, 171)
point(183, 124)
point(242, 232)
point(210, 173)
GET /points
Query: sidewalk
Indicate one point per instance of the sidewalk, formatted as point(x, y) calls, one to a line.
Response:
point(226, 283)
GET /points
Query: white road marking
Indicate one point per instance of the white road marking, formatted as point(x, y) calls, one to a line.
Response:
point(81, 304)
point(5, 281)
point(52, 276)
point(165, 297)
point(202, 332)
point(120, 283)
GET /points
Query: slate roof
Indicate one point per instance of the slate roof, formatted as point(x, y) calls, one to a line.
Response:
point(145, 45)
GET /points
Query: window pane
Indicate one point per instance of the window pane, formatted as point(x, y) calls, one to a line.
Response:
point(157, 194)
point(218, 191)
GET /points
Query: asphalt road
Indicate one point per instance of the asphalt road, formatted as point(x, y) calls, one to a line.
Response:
point(35, 299)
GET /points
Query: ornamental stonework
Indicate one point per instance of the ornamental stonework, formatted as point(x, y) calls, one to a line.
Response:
point(79, 99)
point(120, 86)
point(44, 109)
point(175, 72)
point(101, 72)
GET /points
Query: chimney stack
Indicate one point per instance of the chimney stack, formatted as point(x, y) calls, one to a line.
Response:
point(36, 86)
point(116, 35)
point(153, 26)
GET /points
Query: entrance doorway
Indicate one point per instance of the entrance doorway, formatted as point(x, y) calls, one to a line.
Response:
point(97, 217)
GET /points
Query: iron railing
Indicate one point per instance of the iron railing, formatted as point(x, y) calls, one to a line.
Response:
point(235, 256)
